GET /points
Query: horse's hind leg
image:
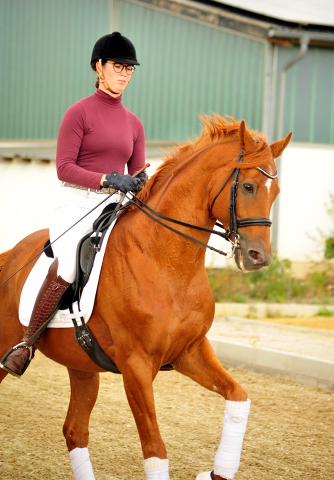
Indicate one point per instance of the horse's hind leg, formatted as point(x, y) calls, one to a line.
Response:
point(9, 336)
point(201, 364)
point(84, 391)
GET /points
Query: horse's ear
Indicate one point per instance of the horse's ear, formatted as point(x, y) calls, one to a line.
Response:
point(245, 138)
point(278, 147)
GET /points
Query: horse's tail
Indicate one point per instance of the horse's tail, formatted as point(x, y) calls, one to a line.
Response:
point(3, 257)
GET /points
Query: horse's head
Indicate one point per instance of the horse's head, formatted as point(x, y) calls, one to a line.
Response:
point(256, 186)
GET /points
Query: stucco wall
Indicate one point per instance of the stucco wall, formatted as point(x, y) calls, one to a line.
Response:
point(307, 179)
point(27, 191)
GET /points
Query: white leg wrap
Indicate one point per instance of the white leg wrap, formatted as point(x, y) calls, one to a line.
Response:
point(82, 468)
point(156, 469)
point(227, 459)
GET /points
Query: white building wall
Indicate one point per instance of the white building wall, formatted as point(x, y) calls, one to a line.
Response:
point(306, 180)
point(28, 189)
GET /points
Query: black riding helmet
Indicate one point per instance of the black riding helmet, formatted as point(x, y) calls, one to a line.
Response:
point(116, 47)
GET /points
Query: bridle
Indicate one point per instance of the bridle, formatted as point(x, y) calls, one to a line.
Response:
point(231, 234)
point(245, 222)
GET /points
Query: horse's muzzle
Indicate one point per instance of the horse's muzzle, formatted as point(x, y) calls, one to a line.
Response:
point(252, 254)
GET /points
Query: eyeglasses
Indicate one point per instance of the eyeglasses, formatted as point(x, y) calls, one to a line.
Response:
point(118, 68)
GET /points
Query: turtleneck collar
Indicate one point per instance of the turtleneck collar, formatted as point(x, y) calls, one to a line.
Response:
point(105, 97)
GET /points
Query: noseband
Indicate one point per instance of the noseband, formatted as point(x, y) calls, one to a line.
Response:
point(245, 222)
point(234, 223)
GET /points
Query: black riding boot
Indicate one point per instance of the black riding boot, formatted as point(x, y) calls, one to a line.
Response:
point(47, 303)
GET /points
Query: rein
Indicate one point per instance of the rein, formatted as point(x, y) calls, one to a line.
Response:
point(234, 222)
point(142, 207)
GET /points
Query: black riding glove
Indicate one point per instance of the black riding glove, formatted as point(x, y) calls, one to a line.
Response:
point(142, 177)
point(124, 183)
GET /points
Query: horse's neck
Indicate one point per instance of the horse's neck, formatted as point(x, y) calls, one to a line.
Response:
point(183, 194)
point(186, 188)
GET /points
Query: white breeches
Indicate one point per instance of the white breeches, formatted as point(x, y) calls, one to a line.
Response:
point(71, 205)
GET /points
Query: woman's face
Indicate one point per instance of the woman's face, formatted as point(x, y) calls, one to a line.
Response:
point(117, 82)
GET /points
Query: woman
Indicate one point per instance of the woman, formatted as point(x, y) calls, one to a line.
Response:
point(97, 135)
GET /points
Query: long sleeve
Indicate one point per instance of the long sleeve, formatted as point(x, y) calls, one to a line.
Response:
point(70, 137)
point(137, 160)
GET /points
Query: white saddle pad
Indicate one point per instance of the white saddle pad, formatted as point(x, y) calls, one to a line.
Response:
point(63, 318)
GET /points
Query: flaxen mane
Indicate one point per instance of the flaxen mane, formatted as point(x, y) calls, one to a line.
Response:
point(216, 130)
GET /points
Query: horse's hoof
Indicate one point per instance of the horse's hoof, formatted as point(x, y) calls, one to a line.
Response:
point(204, 476)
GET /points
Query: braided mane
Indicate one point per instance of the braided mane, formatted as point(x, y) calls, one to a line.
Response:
point(216, 130)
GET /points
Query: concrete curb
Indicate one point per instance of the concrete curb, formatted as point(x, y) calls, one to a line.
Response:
point(302, 369)
point(275, 326)
point(263, 310)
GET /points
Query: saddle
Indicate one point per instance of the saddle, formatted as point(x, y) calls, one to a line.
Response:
point(87, 249)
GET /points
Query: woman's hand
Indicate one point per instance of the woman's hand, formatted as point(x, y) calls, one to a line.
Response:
point(124, 183)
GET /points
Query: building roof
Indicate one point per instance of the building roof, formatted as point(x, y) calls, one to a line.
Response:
point(303, 12)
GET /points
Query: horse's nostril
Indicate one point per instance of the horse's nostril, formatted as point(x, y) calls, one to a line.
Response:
point(254, 255)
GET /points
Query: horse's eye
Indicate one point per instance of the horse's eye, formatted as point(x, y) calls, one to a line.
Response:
point(248, 187)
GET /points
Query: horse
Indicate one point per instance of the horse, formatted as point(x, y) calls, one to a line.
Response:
point(154, 305)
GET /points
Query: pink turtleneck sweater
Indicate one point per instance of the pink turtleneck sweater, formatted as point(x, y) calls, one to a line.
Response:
point(97, 136)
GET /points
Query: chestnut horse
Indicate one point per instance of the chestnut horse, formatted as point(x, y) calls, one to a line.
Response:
point(154, 305)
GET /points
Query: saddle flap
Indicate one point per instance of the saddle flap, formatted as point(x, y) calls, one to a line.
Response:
point(86, 253)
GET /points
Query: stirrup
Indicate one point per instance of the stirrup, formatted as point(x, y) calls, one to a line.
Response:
point(13, 372)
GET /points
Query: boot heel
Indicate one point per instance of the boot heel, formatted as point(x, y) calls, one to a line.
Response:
point(11, 370)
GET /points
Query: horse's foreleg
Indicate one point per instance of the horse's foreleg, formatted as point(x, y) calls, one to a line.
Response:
point(138, 376)
point(201, 364)
point(84, 391)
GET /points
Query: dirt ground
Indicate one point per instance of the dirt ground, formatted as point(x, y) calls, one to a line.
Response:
point(289, 434)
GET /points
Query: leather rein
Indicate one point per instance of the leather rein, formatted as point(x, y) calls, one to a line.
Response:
point(232, 230)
